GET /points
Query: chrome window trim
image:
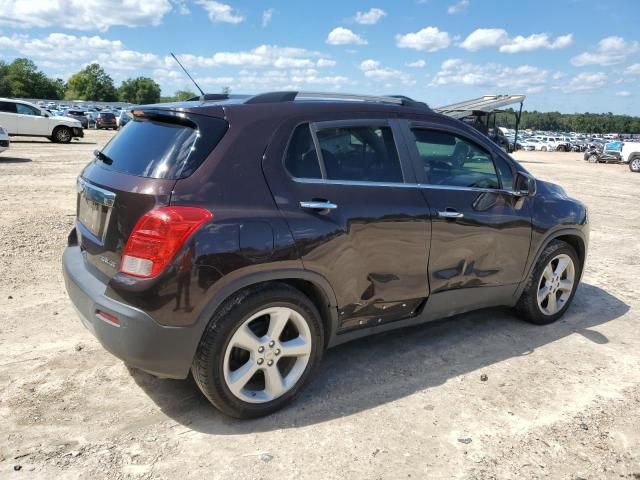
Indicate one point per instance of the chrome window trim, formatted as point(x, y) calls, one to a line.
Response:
point(320, 181)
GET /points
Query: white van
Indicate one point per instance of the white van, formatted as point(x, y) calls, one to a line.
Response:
point(23, 118)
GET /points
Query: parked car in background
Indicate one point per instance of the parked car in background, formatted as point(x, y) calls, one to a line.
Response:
point(78, 115)
point(92, 117)
point(361, 217)
point(106, 119)
point(631, 154)
point(123, 118)
point(530, 144)
point(5, 143)
point(597, 154)
point(19, 117)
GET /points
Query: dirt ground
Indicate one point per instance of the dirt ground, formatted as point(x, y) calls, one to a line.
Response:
point(561, 401)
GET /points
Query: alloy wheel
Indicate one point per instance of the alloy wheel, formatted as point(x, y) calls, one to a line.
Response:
point(635, 164)
point(63, 135)
point(267, 355)
point(556, 284)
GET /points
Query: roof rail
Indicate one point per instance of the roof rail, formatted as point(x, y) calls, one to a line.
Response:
point(288, 96)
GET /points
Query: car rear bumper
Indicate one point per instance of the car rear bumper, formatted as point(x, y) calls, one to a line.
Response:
point(139, 340)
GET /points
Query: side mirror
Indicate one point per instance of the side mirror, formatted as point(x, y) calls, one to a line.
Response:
point(525, 185)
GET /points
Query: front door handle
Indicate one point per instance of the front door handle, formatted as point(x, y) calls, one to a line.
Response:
point(450, 214)
point(318, 205)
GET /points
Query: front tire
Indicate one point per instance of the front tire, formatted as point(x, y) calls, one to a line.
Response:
point(552, 285)
point(62, 135)
point(259, 351)
point(592, 159)
point(634, 164)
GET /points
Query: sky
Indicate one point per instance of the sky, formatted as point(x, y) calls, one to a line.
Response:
point(565, 55)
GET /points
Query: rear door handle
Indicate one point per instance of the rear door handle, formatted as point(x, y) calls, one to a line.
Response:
point(450, 214)
point(317, 205)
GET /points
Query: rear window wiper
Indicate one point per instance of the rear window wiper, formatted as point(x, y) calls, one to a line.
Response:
point(103, 156)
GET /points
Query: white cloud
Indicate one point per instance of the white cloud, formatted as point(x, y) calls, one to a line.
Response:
point(295, 79)
point(484, 38)
point(624, 93)
point(523, 78)
point(262, 56)
point(458, 7)
point(429, 39)
point(344, 36)
point(220, 12)
point(324, 62)
point(416, 64)
point(535, 42)
point(182, 7)
point(584, 82)
point(267, 16)
point(633, 69)
point(499, 38)
point(82, 14)
point(373, 16)
point(610, 51)
point(374, 70)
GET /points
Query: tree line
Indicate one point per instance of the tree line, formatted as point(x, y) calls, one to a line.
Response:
point(22, 78)
point(571, 122)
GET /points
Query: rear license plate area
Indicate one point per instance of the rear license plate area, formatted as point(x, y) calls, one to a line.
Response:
point(94, 208)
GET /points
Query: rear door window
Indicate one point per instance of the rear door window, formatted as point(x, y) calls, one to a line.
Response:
point(360, 153)
point(164, 146)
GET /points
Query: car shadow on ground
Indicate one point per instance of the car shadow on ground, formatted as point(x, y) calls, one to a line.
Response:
point(14, 160)
point(372, 371)
point(46, 140)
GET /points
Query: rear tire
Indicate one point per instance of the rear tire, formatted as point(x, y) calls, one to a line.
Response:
point(634, 164)
point(222, 354)
point(592, 159)
point(550, 288)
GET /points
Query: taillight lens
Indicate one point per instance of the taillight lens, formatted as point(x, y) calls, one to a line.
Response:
point(157, 237)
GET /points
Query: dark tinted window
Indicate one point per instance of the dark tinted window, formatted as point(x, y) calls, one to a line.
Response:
point(301, 160)
point(454, 161)
point(107, 116)
point(163, 149)
point(360, 154)
point(8, 107)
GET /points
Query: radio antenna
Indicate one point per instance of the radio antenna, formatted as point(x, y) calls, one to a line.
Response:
point(190, 77)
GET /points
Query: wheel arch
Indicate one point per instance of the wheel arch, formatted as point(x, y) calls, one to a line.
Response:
point(573, 236)
point(311, 284)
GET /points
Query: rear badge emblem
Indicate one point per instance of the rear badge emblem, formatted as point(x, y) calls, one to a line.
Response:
point(111, 263)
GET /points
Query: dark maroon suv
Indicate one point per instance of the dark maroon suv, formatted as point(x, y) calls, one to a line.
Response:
point(238, 239)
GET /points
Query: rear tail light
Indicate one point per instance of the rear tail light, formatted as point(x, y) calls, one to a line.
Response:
point(157, 237)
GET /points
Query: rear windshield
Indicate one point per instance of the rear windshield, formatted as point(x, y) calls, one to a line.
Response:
point(160, 148)
point(107, 115)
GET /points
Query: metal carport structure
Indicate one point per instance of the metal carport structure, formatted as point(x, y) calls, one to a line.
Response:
point(484, 106)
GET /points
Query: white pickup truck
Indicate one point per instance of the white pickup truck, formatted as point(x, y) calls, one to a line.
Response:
point(26, 119)
point(631, 154)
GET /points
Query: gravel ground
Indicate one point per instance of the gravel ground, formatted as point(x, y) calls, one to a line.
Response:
point(561, 401)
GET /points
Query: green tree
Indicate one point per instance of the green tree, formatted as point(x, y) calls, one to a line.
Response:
point(91, 83)
point(21, 78)
point(139, 90)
